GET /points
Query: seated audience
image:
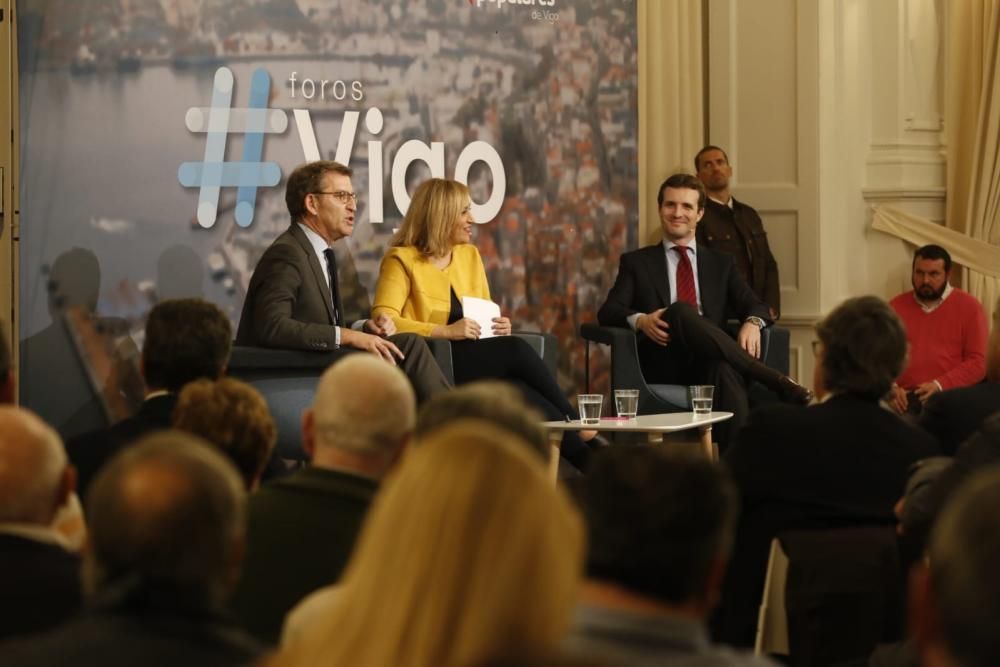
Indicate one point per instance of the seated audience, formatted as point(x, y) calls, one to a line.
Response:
point(659, 529)
point(953, 415)
point(932, 484)
point(234, 417)
point(166, 536)
point(955, 597)
point(302, 527)
point(946, 329)
point(461, 558)
point(496, 403)
point(421, 283)
point(840, 463)
point(186, 339)
point(39, 577)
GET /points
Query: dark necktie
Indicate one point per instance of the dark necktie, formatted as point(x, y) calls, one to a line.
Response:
point(685, 277)
point(331, 270)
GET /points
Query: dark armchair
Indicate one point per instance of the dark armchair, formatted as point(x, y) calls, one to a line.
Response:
point(288, 378)
point(658, 398)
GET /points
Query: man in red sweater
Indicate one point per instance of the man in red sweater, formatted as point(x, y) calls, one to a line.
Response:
point(946, 329)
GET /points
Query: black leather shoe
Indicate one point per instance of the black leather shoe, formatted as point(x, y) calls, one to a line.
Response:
point(791, 391)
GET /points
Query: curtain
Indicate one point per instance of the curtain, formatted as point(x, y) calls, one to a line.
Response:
point(671, 94)
point(972, 118)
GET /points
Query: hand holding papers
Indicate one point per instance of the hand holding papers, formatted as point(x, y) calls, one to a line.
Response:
point(482, 311)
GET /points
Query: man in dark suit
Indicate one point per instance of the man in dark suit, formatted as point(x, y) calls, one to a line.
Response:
point(678, 294)
point(293, 301)
point(39, 577)
point(167, 531)
point(186, 339)
point(732, 227)
point(839, 463)
point(352, 441)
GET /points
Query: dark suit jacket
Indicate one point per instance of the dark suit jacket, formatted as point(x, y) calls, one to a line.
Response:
point(90, 451)
point(145, 631)
point(840, 463)
point(952, 416)
point(39, 585)
point(300, 535)
point(740, 233)
point(288, 303)
point(643, 285)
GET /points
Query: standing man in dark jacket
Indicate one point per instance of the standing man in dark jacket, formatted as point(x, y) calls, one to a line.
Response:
point(734, 228)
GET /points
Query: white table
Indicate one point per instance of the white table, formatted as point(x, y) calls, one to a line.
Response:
point(657, 427)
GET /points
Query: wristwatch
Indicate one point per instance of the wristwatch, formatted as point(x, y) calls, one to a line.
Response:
point(756, 320)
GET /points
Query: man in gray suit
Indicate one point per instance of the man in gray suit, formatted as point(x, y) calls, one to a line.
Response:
point(293, 301)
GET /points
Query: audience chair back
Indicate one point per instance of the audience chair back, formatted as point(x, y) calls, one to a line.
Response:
point(842, 594)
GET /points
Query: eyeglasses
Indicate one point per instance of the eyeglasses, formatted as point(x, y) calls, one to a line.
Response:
point(343, 196)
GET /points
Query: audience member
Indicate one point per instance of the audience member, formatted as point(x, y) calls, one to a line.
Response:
point(293, 301)
point(234, 417)
point(678, 295)
point(39, 577)
point(732, 227)
point(955, 598)
point(186, 339)
point(422, 283)
point(931, 490)
point(491, 401)
point(496, 403)
point(166, 538)
point(461, 558)
point(953, 415)
point(7, 381)
point(839, 463)
point(946, 329)
point(659, 530)
point(302, 528)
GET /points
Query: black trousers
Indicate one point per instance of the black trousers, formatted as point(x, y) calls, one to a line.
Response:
point(419, 365)
point(699, 352)
point(511, 359)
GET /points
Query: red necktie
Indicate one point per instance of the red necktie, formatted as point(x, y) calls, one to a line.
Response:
point(685, 277)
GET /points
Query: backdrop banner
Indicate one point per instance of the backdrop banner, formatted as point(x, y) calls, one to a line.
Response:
point(156, 136)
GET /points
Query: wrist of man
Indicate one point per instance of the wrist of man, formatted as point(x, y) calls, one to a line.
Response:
point(753, 319)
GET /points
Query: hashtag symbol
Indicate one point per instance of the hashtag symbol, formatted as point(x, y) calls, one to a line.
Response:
point(213, 173)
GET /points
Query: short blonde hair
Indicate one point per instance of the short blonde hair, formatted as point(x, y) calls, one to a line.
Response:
point(468, 549)
point(234, 417)
point(432, 215)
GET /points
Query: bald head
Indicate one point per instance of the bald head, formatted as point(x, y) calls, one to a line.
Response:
point(363, 406)
point(33, 468)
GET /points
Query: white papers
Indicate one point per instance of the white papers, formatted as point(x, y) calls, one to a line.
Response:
point(482, 311)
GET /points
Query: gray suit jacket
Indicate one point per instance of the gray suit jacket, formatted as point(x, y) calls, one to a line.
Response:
point(288, 303)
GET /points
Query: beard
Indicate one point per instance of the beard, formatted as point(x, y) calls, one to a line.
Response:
point(928, 293)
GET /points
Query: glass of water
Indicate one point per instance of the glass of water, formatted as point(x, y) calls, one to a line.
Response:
point(590, 408)
point(701, 398)
point(627, 403)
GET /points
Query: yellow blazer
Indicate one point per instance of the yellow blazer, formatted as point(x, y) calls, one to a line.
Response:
point(417, 295)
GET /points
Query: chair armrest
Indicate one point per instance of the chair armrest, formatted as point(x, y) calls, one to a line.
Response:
point(545, 345)
point(774, 342)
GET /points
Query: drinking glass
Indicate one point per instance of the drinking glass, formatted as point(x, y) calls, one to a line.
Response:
point(590, 408)
point(701, 398)
point(627, 402)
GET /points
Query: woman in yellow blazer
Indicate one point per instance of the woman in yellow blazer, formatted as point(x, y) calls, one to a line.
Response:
point(423, 278)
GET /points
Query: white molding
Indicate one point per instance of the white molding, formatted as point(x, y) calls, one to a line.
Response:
point(914, 193)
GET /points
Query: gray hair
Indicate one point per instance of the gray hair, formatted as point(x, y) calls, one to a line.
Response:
point(363, 405)
point(32, 463)
point(864, 347)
